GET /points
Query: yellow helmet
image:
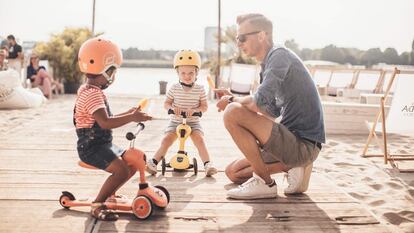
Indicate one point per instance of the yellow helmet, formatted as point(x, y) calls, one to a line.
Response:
point(187, 58)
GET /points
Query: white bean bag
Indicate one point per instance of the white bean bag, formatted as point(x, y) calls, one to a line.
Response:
point(10, 78)
point(14, 96)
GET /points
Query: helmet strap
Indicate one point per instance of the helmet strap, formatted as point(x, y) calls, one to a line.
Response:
point(187, 85)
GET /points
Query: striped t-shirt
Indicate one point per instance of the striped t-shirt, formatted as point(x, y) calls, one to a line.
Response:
point(90, 99)
point(186, 99)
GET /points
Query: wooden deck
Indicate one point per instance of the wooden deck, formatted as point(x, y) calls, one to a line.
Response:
point(39, 160)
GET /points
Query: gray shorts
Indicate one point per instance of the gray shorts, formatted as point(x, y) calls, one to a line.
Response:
point(284, 146)
point(172, 125)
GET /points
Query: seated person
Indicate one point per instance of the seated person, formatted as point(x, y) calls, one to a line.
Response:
point(3, 65)
point(39, 77)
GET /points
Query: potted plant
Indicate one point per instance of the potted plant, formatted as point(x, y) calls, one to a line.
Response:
point(62, 52)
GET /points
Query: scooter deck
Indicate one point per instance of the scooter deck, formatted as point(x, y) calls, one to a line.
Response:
point(114, 205)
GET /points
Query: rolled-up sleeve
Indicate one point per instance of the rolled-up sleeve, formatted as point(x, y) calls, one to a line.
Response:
point(274, 73)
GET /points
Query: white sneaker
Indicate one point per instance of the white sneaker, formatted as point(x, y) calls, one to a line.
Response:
point(298, 179)
point(151, 167)
point(254, 188)
point(210, 169)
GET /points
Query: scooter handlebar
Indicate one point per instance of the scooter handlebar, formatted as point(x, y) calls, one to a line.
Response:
point(199, 114)
point(131, 136)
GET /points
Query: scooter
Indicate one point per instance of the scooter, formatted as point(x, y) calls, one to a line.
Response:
point(147, 196)
point(180, 161)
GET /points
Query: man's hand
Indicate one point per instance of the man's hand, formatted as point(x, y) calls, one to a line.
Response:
point(223, 102)
point(222, 92)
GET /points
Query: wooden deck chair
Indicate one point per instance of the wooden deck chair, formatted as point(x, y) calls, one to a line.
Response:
point(400, 119)
point(321, 78)
point(340, 79)
point(242, 78)
point(375, 98)
point(368, 81)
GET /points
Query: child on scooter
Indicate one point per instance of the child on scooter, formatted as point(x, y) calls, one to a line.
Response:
point(98, 60)
point(189, 97)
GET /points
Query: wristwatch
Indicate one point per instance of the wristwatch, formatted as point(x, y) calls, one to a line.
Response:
point(230, 100)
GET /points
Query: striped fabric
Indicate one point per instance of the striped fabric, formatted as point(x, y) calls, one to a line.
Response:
point(90, 99)
point(186, 99)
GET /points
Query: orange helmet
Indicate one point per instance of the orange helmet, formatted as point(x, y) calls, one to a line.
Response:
point(97, 55)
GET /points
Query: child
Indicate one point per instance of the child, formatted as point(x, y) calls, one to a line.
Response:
point(98, 60)
point(189, 97)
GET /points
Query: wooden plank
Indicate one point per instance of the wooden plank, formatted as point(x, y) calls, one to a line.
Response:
point(195, 217)
point(183, 187)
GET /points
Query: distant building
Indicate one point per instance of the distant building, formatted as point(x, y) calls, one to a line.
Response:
point(210, 39)
point(28, 47)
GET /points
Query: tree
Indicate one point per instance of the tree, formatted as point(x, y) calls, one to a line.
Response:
point(371, 56)
point(292, 45)
point(391, 56)
point(405, 58)
point(306, 54)
point(62, 53)
point(332, 53)
point(412, 54)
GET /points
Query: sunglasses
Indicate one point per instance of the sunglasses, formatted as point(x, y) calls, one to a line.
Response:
point(243, 37)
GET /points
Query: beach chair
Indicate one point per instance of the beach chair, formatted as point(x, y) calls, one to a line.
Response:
point(375, 98)
point(243, 78)
point(368, 81)
point(400, 118)
point(340, 79)
point(321, 78)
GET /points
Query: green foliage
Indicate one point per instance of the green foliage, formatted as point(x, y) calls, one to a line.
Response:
point(353, 56)
point(405, 58)
point(236, 55)
point(62, 52)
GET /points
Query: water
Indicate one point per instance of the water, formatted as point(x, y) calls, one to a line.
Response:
point(144, 81)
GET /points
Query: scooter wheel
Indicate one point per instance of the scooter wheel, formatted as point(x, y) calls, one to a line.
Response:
point(142, 207)
point(65, 198)
point(165, 191)
point(163, 166)
point(195, 166)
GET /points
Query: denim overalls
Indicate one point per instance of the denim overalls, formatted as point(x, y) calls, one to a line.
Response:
point(95, 144)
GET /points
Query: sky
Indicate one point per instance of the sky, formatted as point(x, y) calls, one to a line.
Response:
point(180, 24)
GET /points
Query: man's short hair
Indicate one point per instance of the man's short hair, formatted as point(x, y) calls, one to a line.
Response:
point(258, 21)
point(11, 37)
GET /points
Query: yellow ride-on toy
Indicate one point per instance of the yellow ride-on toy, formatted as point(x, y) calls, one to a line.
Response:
point(180, 161)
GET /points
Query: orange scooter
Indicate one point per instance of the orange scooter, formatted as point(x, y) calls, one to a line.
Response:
point(147, 196)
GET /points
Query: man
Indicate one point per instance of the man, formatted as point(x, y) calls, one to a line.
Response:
point(287, 90)
point(15, 57)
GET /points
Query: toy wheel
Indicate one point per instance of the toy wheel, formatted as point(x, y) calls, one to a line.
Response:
point(142, 207)
point(165, 191)
point(163, 166)
point(195, 166)
point(65, 198)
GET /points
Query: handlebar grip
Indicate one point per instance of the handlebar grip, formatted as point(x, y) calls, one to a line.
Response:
point(199, 114)
point(131, 136)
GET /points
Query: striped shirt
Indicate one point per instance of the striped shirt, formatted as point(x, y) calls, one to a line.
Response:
point(90, 98)
point(186, 99)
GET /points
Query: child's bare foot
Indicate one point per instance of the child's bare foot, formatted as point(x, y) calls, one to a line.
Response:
point(101, 212)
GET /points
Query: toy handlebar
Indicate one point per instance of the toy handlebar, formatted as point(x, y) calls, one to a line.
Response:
point(199, 114)
point(131, 136)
